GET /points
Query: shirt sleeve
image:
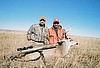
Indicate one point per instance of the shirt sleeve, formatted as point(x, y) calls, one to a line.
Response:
point(29, 32)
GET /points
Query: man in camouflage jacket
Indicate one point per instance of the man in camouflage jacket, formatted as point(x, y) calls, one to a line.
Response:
point(38, 32)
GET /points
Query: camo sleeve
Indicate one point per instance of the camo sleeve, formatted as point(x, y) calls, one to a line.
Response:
point(47, 32)
point(29, 32)
point(47, 36)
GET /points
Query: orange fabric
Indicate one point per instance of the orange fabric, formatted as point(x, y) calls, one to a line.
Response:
point(53, 38)
point(56, 20)
point(42, 17)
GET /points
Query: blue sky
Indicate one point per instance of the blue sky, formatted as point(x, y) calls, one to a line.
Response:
point(81, 17)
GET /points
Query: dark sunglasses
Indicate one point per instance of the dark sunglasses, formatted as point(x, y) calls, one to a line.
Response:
point(55, 22)
point(42, 20)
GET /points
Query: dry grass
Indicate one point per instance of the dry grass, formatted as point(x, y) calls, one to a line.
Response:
point(86, 55)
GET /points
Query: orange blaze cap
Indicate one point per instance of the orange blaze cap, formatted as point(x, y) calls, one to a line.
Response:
point(42, 17)
point(56, 20)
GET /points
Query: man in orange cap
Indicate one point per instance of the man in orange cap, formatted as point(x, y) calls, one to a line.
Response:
point(56, 32)
point(38, 33)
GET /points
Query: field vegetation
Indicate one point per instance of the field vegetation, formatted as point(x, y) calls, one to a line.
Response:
point(85, 55)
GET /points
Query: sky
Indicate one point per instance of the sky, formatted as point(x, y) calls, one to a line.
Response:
point(80, 17)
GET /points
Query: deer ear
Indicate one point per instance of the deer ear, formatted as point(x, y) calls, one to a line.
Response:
point(71, 39)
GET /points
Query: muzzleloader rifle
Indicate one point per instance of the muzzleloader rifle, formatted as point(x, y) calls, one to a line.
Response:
point(23, 52)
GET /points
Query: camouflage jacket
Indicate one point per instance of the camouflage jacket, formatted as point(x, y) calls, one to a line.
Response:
point(38, 33)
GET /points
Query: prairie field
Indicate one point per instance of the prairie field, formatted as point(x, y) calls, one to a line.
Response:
point(85, 55)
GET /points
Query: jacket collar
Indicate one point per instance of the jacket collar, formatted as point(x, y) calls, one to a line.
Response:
point(59, 27)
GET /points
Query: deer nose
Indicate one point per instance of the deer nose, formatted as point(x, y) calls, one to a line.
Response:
point(76, 43)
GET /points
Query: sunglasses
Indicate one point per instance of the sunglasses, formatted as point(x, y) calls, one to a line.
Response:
point(55, 22)
point(42, 20)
